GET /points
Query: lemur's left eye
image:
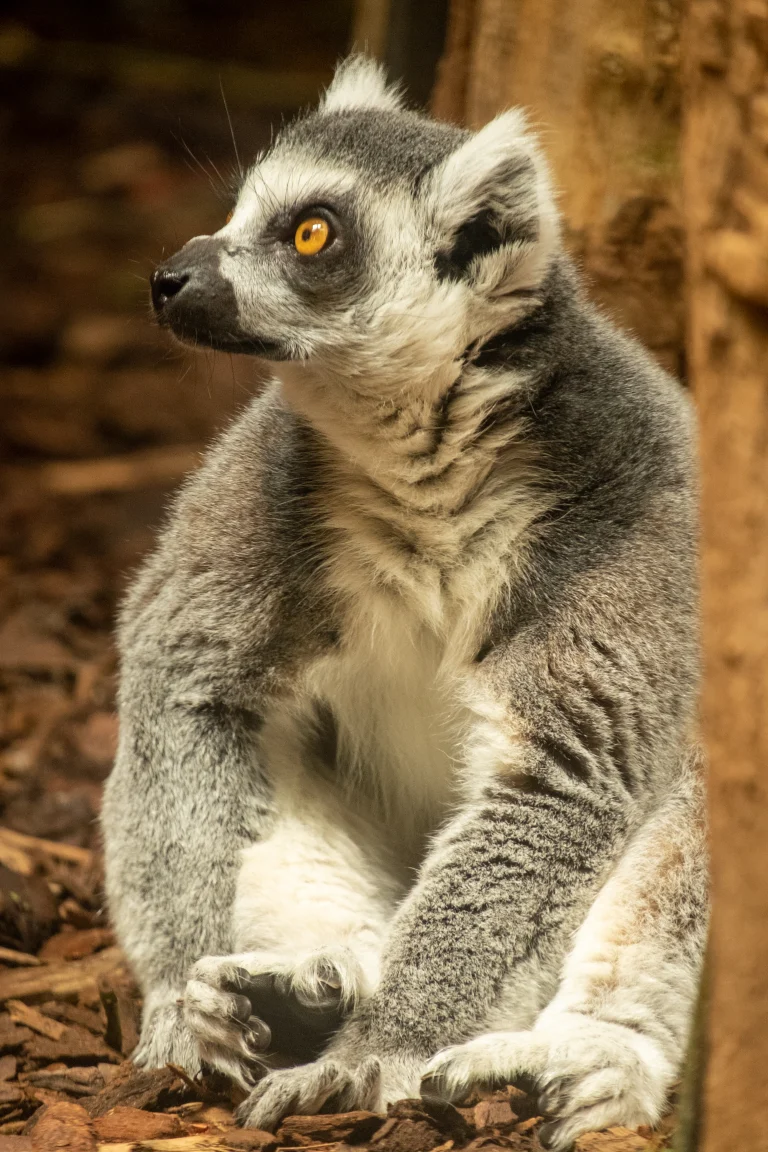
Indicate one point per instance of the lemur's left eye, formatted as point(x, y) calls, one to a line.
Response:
point(311, 236)
point(230, 215)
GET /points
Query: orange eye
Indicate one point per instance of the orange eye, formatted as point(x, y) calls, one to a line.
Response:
point(230, 215)
point(311, 236)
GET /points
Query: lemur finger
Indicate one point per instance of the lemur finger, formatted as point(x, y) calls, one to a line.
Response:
point(292, 1090)
point(225, 1007)
point(224, 1026)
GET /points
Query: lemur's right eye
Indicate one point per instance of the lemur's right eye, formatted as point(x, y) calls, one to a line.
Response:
point(311, 236)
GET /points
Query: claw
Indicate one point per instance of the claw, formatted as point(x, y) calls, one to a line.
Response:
point(433, 1088)
point(241, 1008)
point(260, 1034)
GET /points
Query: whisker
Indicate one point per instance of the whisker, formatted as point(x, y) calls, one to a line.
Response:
point(231, 129)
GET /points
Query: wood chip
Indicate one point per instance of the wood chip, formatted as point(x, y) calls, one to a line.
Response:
point(11, 1035)
point(76, 1045)
point(74, 1014)
point(8, 1066)
point(60, 1082)
point(76, 945)
point(72, 912)
point(145, 1088)
point(34, 845)
point(387, 1127)
point(412, 1136)
point(123, 1123)
point(612, 1140)
point(58, 981)
point(249, 1139)
point(90, 1077)
point(17, 860)
point(21, 1013)
point(64, 1126)
point(209, 1114)
point(527, 1125)
point(121, 1009)
point(494, 1113)
point(47, 1096)
point(18, 959)
point(351, 1127)
point(175, 1144)
point(27, 910)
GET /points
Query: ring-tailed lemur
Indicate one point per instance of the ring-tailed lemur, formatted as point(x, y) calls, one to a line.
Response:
point(406, 770)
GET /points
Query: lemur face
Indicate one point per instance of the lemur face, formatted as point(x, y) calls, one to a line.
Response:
point(367, 234)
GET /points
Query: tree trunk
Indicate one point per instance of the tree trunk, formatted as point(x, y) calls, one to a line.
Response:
point(726, 208)
point(601, 81)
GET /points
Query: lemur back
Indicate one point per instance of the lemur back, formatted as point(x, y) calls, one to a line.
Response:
point(408, 688)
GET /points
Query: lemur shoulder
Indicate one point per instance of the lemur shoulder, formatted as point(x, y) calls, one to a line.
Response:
point(407, 787)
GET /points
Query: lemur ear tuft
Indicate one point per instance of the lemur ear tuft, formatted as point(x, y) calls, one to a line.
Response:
point(360, 82)
point(492, 207)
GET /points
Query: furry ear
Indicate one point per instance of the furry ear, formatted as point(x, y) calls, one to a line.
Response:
point(360, 82)
point(492, 207)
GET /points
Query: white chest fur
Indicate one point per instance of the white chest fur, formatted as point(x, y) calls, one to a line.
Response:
point(399, 722)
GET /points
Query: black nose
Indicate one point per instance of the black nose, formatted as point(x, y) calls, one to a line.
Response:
point(165, 285)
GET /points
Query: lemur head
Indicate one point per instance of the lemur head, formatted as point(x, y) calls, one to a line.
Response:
point(370, 240)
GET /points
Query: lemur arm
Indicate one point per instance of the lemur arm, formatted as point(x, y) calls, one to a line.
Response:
point(206, 633)
point(185, 796)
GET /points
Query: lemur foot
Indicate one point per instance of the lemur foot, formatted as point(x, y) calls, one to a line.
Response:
point(166, 1039)
point(309, 1089)
point(348, 1078)
point(236, 1006)
point(587, 1074)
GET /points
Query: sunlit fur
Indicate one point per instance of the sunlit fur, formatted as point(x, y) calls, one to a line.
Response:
point(408, 688)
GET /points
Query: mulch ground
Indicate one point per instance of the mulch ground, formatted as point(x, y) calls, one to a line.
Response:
point(100, 420)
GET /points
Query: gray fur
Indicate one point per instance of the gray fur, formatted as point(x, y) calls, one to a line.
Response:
point(430, 603)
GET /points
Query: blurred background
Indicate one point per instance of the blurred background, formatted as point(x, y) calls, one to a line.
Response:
point(118, 125)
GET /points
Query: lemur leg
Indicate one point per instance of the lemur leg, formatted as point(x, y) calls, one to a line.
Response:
point(312, 905)
point(608, 1047)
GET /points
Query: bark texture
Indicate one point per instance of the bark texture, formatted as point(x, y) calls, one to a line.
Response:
point(726, 208)
point(600, 79)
